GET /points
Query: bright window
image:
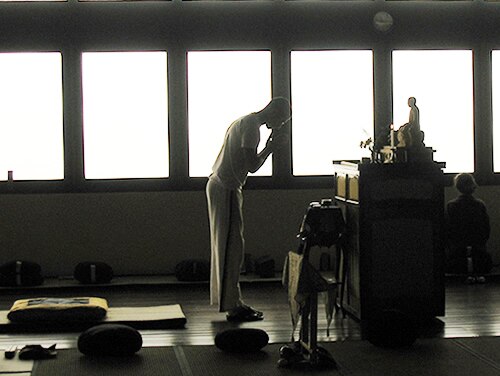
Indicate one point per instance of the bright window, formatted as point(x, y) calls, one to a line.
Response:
point(442, 84)
point(495, 61)
point(116, 0)
point(223, 86)
point(26, 1)
point(125, 108)
point(31, 116)
point(332, 101)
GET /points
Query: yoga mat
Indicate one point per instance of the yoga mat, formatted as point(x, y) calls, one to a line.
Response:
point(210, 361)
point(437, 357)
point(151, 361)
point(485, 348)
point(440, 357)
point(8, 366)
point(166, 361)
point(154, 317)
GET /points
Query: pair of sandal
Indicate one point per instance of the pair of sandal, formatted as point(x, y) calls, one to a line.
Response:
point(244, 313)
point(36, 352)
point(475, 279)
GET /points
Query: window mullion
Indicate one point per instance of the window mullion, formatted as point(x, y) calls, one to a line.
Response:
point(73, 119)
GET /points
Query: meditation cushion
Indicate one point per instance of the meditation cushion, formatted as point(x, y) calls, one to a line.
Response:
point(93, 272)
point(264, 267)
point(58, 310)
point(110, 339)
point(241, 340)
point(20, 273)
point(192, 270)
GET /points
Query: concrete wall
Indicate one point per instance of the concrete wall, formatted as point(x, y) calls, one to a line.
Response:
point(139, 233)
point(149, 233)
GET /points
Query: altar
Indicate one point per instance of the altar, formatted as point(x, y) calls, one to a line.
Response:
point(394, 214)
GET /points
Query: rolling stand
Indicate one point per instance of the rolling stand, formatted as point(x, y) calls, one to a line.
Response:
point(323, 225)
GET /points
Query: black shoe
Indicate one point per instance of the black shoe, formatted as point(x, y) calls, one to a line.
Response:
point(247, 307)
point(244, 314)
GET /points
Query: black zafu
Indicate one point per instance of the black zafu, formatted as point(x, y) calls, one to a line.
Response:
point(110, 339)
point(264, 267)
point(192, 270)
point(241, 340)
point(90, 272)
point(21, 273)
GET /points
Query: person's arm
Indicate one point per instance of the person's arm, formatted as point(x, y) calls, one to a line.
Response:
point(255, 160)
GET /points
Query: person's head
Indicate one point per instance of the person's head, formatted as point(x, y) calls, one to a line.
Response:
point(276, 113)
point(465, 183)
point(412, 101)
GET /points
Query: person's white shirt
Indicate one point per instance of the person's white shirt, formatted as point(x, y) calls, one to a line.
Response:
point(230, 167)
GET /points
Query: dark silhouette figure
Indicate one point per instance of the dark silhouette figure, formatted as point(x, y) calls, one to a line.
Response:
point(238, 157)
point(468, 232)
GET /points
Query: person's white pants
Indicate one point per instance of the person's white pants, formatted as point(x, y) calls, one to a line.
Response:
point(225, 211)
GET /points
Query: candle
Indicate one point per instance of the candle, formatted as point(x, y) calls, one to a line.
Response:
point(392, 135)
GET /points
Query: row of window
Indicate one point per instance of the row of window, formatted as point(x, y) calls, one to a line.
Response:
point(27, 1)
point(125, 108)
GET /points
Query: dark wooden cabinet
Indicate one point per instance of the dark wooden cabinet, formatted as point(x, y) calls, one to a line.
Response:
point(395, 237)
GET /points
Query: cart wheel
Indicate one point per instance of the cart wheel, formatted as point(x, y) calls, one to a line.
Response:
point(290, 355)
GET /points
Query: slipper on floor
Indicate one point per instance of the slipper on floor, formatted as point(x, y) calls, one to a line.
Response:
point(247, 307)
point(243, 314)
point(36, 352)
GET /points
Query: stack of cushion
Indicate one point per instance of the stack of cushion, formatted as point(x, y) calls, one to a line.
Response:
point(192, 270)
point(264, 267)
point(90, 272)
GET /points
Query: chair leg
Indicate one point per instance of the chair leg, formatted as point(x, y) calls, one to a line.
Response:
point(345, 266)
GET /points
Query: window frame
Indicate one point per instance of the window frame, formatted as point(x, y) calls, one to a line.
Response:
point(472, 94)
point(276, 26)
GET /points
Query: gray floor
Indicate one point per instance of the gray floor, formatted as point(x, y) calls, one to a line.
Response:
point(471, 311)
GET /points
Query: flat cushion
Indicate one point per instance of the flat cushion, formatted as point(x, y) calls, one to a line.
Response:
point(110, 339)
point(91, 272)
point(241, 340)
point(20, 273)
point(58, 309)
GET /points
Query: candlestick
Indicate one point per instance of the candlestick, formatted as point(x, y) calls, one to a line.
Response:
point(392, 135)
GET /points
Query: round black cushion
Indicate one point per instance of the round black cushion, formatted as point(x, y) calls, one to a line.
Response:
point(241, 340)
point(110, 339)
point(392, 328)
point(20, 273)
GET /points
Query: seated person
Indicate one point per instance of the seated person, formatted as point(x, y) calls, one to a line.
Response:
point(468, 230)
